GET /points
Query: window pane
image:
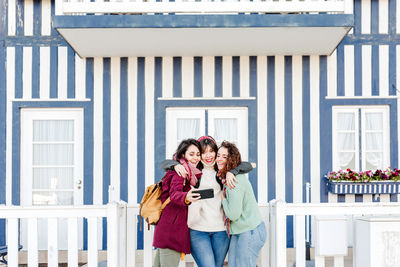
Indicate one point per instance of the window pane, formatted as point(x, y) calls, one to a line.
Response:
point(374, 141)
point(53, 154)
point(346, 141)
point(52, 198)
point(53, 178)
point(346, 160)
point(345, 121)
point(188, 128)
point(53, 130)
point(373, 121)
point(374, 161)
point(226, 129)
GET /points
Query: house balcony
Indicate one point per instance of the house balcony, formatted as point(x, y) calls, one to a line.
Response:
point(203, 28)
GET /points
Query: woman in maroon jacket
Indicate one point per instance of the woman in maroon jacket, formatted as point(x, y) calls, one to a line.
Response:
point(171, 235)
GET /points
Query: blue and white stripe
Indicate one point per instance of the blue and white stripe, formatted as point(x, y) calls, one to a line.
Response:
point(125, 99)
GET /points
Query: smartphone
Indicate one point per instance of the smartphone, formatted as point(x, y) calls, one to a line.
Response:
point(205, 193)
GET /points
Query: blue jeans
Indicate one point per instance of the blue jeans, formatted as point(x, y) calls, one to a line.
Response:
point(244, 247)
point(209, 248)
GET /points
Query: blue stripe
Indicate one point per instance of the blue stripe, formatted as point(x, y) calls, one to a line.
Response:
point(358, 198)
point(271, 127)
point(71, 73)
point(253, 76)
point(38, 40)
point(198, 76)
point(393, 135)
point(392, 69)
point(371, 39)
point(289, 145)
point(85, 234)
point(375, 69)
point(206, 121)
point(35, 72)
point(235, 76)
point(306, 126)
point(326, 128)
point(18, 71)
point(205, 21)
point(288, 130)
point(124, 130)
point(19, 30)
point(392, 18)
point(159, 119)
point(218, 76)
point(106, 127)
point(106, 138)
point(374, 17)
point(3, 116)
point(177, 83)
point(357, 17)
point(37, 17)
point(358, 70)
point(88, 130)
point(141, 138)
point(53, 72)
point(340, 70)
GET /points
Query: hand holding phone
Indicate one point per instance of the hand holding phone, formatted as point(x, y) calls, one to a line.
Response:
point(205, 193)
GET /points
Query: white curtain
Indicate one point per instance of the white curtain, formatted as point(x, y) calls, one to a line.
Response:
point(226, 129)
point(53, 162)
point(346, 140)
point(188, 128)
point(374, 140)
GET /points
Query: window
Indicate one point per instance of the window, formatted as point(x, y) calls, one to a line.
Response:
point(221, 123)
point(360, 137)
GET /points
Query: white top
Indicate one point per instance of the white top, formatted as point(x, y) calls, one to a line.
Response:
point(207, 214)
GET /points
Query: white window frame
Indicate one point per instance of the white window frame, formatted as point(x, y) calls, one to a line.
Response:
point(175, 113)
point(359, 112)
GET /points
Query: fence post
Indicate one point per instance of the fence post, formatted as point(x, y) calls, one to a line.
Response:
point(278, 233)
point(113, 225)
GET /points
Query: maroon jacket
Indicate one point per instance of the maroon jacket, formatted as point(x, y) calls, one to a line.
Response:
point(172, 231)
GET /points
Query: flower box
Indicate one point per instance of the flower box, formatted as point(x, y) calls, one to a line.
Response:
point(373, 187)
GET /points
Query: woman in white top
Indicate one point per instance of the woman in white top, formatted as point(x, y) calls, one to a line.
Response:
point(206, 219)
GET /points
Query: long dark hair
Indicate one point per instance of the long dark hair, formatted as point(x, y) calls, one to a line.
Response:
point(183, 147)
point(204, 142)
point(234, 159)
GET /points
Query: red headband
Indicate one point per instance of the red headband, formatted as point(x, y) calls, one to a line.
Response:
point(206, 137)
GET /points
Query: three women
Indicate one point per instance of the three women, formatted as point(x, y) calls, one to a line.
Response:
point(206, 219)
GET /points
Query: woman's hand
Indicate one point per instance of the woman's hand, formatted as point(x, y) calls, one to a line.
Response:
point(191, 196)
point(231, 180)
point(180, 170)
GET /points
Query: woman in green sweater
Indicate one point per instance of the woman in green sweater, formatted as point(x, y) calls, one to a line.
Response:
point(245, 225)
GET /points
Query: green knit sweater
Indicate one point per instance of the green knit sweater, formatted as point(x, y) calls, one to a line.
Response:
point(241, 207)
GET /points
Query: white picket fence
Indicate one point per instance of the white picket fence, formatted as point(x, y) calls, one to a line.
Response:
point(122, 231)
point(74, 7)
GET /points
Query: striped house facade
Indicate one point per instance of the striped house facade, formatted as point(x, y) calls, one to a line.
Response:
point(124, 100)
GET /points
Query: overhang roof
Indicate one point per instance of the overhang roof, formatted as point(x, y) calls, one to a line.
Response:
point(201, 35)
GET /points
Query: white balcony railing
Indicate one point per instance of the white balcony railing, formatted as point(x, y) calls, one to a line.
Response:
point(122, 231)
point(73, 7)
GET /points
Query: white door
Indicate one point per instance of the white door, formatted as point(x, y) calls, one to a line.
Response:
point(51, 164)
point(228, 124)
